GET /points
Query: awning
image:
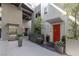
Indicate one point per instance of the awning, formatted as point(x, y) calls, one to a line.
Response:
point(55, 20)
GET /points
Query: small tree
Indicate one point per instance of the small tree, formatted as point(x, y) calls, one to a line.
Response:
point(73, 10)
point(38, 25)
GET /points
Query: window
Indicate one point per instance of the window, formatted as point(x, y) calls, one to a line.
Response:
point(25, 33)
point(45, 10)
point(0, 4)
point(0, 18)
point(0, 32)
point(38, 14)
point(12, 29)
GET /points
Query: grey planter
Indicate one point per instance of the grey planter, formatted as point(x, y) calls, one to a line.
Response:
point(20, 42)
point(59, 49)
point(72, 47)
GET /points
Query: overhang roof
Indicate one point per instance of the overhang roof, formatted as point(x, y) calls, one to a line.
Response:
point(23, 6)
point(27, 12)
point(55, 20)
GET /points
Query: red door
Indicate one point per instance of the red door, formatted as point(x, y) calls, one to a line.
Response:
point(56, 32)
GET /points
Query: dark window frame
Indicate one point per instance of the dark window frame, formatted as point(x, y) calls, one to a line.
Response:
point(0, 32)
point(38, 14)
point(0, 19)
point(26, 31)
point(0, 4)
point(45, 10)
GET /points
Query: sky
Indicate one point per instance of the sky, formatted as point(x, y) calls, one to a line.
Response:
point(32, 5)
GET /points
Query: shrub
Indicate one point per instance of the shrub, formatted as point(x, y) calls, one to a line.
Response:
point(59, 44)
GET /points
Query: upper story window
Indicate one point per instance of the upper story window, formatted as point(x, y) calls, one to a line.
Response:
point(45, 10)
point(38, 14)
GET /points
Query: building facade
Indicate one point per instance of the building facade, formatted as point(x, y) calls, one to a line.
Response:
point(14, 17)
point(56, 24)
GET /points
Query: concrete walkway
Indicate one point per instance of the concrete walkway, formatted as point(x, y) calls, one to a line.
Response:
point(3, 47)
point(28, 49)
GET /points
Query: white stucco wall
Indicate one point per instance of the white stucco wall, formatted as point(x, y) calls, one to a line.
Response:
point(60, 5)
point(71, 45)
point(0, 11)
point(0, 21)
point(36, 10)
point(51, 14)
point(47, 30)
point(0, 16)
point(10, 14)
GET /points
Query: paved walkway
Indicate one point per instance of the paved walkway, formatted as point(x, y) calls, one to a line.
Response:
point(3, 47)
point(28, 49)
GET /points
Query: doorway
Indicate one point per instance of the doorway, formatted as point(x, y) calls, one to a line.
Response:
point(56, 32)
point(25, 33)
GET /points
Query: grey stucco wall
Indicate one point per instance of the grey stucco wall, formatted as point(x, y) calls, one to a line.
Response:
point(10, 14)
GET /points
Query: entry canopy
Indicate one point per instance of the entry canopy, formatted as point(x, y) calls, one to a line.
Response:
point(55, 20)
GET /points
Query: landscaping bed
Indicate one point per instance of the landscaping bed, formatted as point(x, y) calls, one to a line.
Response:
point(39, 39)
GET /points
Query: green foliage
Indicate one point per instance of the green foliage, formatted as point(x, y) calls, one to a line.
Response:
point(72, 31)
point(38, 25)
point(18, 35)
point(73, 10)
point(59, 44)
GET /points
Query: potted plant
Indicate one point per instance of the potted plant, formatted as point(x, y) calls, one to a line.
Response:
point(19, 38)
point(59, 46)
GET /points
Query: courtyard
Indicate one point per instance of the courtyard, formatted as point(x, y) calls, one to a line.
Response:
point(10, 48)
